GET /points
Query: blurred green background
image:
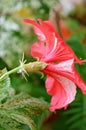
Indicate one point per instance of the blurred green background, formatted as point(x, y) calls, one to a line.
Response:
point(16, 37)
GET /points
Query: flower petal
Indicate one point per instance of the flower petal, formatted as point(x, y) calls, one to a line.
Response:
point(37, 28)
point(38, 50)
point(57, 49)
point(60, 52)
point(67, 70)
point(64, 52)
point(63, 91)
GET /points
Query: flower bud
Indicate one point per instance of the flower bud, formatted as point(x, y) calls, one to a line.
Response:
point(34, 66)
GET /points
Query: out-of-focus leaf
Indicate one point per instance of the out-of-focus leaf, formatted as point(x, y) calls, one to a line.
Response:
point(76, 113)
point(16, 110)
point(5, 88)
point(24, 120)
point(19, 110)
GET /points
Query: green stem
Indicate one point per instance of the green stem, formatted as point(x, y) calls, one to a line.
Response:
point(29, 67)
point(10, 72)
point(84, 107)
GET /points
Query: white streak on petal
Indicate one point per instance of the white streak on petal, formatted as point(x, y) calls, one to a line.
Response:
point(55, 44)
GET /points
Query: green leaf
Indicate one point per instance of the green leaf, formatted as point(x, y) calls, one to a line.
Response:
point(7, 123)
point(17, 110)
point(4, 86)
point(72, 111)
point(27, 120)
point(24, 103)
point(74, 118)
point(21, 109)
point(76, 114)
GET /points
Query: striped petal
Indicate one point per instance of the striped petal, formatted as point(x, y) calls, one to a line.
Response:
point(62, 90)
point(67, 70)
point(57, 49)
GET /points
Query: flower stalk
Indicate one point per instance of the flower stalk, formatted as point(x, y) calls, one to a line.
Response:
point(29, 67)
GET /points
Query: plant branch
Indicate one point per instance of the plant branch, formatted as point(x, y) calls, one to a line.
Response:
point(26, 68)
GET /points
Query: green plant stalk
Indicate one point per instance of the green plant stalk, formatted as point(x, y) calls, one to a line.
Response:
point(10, 72)
point(26, 68)
point(84, 107)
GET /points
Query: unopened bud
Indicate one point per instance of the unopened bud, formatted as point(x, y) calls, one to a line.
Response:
point(34, 66)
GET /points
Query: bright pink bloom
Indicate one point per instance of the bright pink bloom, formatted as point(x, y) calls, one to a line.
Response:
point(61, 74)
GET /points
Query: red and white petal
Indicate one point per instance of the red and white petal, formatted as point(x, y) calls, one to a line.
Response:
point(40, 34)
point(59, 52)
point(57, 49)
point(38, 50)
point(63, 91)
point(37, 28)
point(67, 70)
point(62, 50)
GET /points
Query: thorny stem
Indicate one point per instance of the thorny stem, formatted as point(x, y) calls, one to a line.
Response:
point(26, 68)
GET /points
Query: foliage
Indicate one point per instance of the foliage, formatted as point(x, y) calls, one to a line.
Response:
point(77, 113)
point(16, 110)
point(16, 38)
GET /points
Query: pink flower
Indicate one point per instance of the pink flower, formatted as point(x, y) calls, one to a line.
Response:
point(62, 76)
